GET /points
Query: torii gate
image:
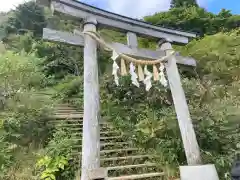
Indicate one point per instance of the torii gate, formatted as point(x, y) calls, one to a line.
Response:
point(94, 17)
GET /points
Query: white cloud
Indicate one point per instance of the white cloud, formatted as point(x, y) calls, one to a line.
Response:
point(131, 8)
point(10, 4)
point(140, 8)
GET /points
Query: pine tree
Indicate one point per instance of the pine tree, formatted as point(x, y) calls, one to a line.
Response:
point(183, 3)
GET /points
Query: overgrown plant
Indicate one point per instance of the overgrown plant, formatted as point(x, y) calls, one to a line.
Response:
point(56, 161)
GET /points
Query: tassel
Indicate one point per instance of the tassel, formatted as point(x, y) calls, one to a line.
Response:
point(155, 73)
point(114, 72)
point(163, 79)
point(134, 76)
point(123, 68)
point(140, 73)
point(147, 80)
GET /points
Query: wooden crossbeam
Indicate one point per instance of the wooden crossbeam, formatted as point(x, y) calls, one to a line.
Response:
point(78, 40)
point(111, 20)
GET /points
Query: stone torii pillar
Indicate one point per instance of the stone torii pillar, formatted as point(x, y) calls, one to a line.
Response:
point(91, 132)
point(195, 170)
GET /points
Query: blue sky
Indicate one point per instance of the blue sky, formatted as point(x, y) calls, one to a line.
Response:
point(217, 5)
point(140, 8)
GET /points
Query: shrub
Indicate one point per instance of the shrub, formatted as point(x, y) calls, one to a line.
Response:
point(27, 111)
point(19, 71)
point(69, 87)
point(56, 162)
point(195, 19)
point(212, 92)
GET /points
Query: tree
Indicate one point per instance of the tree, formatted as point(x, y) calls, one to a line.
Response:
point(224, 13)
point(27, 17)
point(183, 3)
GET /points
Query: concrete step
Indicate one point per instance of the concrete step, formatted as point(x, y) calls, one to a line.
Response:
point(67, 113)
point(118, 150)
point(110, 145)
point(65, 107)
point(74, 129)
point(131, 169)
point(68, 110)
point(67, 116)
point(131, 166)
point(110, 133)
point(102, 134)
point(69, 125)
point(125, 158)
point(111, 138)
point(115, 145)
point(64, 124)
point(137, 176)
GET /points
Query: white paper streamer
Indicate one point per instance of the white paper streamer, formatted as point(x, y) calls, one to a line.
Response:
point(134, 76)
point(163, 79)
point(115, 67)
point(115, 70)
point(115, 55)
point(147, 80)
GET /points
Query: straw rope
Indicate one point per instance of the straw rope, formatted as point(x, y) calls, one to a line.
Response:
point(108, 47)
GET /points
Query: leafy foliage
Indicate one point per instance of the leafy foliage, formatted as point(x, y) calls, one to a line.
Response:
point(56, 162)
point(26, 17)
point(213, 98)
point(212, 91)
point(183, 3)
point(19, 72)
point(195, 19)
point(24, 113)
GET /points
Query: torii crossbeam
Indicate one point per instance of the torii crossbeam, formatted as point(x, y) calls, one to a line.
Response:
point(94, 17)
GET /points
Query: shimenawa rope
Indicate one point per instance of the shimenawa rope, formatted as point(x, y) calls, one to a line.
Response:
point(108, 47)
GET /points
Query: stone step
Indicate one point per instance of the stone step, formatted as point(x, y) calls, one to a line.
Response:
point(65, 122)
point(65, 107)
point(67, 113)
point(111, 145)
point(79, 129)
point(115, 143)
point(125, 158)
point(137, 176)
point(69, 125)
point(73, 122)
point(118, 150)
point(101, 138)
point(109, 133)
point(68, 110)
point(111, 138)
point(102, 134)
point(131, 169)
point(131, 166)
point(67, 116)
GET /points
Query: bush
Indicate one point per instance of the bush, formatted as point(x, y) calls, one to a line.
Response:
point(195, 19)
point(27, 111)
point(19, 72)
point(212, 92)
point(70, 87)
point(5, 152)
point(56, 162)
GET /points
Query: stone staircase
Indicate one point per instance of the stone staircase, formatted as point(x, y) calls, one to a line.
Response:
point(118, 156)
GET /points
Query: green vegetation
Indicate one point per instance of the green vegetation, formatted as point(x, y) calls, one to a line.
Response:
point(183, 3)
point(35, 75)
point(196, 19)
